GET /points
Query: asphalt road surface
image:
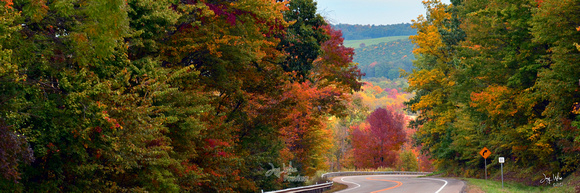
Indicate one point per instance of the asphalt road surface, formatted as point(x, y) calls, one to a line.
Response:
point(398, 184)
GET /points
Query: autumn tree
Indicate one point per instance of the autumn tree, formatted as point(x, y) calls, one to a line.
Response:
point(166, 96)
point(69, 57)
point(377, 144)
point(431, 81)
point(555, 23)
point(497, 74)
point(375, 93)
point(505, 67)
point(356, 114)
point(326, 92)
point(408, 161)
point(14, 148)
point(232, 46)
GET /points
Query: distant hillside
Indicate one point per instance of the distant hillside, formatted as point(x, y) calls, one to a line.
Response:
point(385, 59)
point(359, 32)
point(369, 42)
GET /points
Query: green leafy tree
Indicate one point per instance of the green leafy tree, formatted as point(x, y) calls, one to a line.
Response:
point(14, 148)
point(303, 38)
point(408, 161)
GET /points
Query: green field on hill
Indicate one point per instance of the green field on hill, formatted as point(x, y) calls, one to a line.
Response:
point(368, 42)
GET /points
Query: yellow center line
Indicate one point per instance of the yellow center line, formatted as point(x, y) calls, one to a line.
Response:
point(398, 184)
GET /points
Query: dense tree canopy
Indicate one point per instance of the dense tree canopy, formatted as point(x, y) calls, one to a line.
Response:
point(166, 96)
point(385, 59)
point(502, 75)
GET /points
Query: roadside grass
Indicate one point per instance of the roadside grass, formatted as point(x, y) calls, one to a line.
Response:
point(369, 42)
point(491, 186)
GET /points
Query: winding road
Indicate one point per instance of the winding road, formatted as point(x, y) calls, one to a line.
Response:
point(398, 184)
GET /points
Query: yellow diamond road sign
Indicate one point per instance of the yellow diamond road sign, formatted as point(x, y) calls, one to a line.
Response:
point(485, 152)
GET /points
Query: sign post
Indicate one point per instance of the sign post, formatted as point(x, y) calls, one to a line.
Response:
point(485, 153)
point(501, 160)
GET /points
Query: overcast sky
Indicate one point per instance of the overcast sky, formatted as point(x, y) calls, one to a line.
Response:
point(371, 11)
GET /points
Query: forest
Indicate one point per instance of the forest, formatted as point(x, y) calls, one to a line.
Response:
point(217, 96)
point(385, 59)
point(502, 75)
point(374, 134)
point(357, 31)
point(167, 96)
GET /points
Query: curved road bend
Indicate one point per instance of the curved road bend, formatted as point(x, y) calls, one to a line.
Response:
point(398, 184)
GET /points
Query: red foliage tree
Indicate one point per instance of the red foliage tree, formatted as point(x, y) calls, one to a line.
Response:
point(335, 66)
point(376, 145)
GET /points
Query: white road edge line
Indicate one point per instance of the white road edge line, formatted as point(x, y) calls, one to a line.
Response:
point(342, 179)
point(439, 180)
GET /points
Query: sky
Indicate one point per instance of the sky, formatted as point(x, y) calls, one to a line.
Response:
point(378, 12)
